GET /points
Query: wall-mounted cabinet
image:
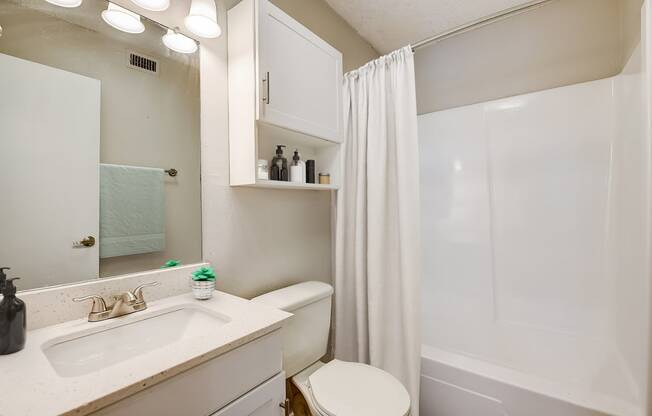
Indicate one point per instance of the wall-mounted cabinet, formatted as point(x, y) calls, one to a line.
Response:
point(285, 87)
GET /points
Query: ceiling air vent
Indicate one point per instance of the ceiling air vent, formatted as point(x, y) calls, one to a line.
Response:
point(143, 63)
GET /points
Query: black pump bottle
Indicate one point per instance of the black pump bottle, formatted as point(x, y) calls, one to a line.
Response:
point(13, 320)
point(3, 277)
point(279, 170)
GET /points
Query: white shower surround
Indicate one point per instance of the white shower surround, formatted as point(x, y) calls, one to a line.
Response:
point(535, 246)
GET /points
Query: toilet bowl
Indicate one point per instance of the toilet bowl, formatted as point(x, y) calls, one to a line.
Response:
point(336, 388)
point(341, 388)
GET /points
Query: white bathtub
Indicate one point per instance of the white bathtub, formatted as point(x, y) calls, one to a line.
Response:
point(535, 284)
point(456, 384)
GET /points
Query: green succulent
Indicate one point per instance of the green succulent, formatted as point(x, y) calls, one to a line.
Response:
point(204, 274)
point(171, 263)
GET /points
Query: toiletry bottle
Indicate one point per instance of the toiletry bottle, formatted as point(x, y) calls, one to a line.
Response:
point(303, 169)
point(310, 171)
point(298, 168)
point(262, 170)
point(13, 320)
point(285, 170)
point(3, 277)
point(279, 170)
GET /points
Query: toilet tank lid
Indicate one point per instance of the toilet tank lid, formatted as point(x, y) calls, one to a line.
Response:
point(296, 296)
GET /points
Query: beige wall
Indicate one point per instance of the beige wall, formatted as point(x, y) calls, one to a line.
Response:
point(630, 15)
point(258, 239)
point(146, 120)
point(562, 43)
point(320, 18)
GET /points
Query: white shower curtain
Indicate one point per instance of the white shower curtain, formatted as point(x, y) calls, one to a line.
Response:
point(377, 264)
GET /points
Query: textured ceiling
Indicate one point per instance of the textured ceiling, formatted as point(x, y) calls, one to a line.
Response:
point(391, 24)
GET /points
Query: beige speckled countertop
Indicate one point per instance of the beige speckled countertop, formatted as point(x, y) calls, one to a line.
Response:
point(29, 384)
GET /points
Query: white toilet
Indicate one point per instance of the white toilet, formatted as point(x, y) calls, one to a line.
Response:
point(337, 388)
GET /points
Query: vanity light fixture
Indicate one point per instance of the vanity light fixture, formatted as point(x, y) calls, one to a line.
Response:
point(178, 42)
point(66, 3)
point(153, 5)
point(123, 19)
point(202, 19)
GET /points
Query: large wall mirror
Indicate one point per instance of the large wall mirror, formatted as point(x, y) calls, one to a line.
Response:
point(99, 146)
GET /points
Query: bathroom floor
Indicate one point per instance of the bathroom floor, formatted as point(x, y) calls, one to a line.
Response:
point(299, 405)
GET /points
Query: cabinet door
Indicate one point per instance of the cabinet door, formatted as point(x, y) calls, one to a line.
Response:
point(265, 400)
point(210, 386)
point(300, 76)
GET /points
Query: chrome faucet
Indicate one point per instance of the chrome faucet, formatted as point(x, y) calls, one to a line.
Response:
point(123, 304)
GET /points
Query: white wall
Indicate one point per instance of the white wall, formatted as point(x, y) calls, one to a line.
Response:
point(534, 214)
point(256, 239)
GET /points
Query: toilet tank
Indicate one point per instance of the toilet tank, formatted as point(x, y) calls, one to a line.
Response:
point(305, 335)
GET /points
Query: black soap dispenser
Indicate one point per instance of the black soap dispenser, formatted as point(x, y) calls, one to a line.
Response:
point(279, 170)
point(3, 277)
point(13, 320)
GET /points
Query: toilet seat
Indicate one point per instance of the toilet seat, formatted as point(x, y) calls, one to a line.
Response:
point(342, 388)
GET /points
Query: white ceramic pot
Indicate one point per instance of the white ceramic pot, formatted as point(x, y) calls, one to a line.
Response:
point(202, 290)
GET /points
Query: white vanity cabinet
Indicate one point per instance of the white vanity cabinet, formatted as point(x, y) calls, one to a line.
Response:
point(285, 87)
point(248, 380)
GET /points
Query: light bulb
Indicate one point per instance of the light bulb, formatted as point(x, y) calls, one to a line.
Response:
point(123, 19)
point(202, 19)
point(153, 5)
point(178, 42)
point(65, 3)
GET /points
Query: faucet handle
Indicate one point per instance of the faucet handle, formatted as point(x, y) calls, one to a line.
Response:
point(138, 292)
point(99, 305)
point(124, 297)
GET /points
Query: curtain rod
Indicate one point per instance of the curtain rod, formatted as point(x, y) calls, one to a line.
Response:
point(482, 22)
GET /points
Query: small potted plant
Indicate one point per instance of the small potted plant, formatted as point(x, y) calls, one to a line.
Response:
point(203, 283)
point(170, 264)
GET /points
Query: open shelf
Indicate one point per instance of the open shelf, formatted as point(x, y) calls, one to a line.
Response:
point(262, 183)
point(325, 153)
point(244, 155)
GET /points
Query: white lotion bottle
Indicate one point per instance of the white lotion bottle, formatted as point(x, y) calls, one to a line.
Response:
point(298, 169)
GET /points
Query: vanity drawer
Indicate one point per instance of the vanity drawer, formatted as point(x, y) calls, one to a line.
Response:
point(265, 400)
point(204, 389)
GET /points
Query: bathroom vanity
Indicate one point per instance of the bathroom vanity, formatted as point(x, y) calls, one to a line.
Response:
point(179, 357)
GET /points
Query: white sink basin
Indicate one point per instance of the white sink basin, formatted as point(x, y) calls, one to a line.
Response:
point(90, 351)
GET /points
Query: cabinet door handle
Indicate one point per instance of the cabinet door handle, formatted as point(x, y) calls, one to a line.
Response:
point(266, 88)
point(85, 243)
point(286, 407)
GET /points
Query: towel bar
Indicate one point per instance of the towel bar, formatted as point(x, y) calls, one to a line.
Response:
point(172, 172)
